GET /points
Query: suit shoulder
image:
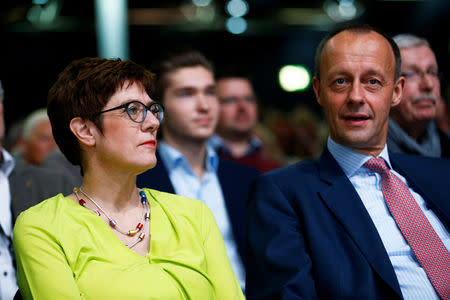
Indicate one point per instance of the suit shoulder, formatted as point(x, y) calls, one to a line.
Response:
point(418, 161)
point(235, 165)
point(38, 173)
point(299, 169)
point(231, 166)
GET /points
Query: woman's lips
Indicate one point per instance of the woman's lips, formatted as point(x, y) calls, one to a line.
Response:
point(150, 143)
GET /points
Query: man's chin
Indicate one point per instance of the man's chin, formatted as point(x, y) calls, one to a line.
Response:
point(425, 116)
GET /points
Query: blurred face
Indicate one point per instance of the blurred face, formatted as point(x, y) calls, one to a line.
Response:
point(357, 89)
point(39, 144)
point(125, 144)
point(238, 107)
point(422, 87)
point(192, 108)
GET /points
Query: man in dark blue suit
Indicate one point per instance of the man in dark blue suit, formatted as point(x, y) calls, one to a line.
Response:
point(187, 165)
point(323, 229)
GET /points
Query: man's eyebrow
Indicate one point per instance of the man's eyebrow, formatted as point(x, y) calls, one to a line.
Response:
point(185, 88)
point(374, 72)
point(416, 67)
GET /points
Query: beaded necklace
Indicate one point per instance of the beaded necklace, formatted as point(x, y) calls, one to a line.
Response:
point(112, 223)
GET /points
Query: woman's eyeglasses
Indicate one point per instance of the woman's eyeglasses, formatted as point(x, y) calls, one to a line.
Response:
point(137, 111)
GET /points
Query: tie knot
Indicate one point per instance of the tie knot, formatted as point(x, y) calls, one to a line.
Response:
point(377, 165)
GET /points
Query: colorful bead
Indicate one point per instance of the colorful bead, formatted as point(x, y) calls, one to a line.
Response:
point(113, 223)
point(139, 226)
point(147, 215)
point(141, 236)
point(143, 200)
point(97, 212)
point(82, 202)
point(132, 232)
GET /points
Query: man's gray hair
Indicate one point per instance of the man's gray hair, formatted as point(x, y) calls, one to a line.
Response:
point(32, 121)
point(406, 40)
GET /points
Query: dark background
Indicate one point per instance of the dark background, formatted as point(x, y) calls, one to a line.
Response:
point(33, 55)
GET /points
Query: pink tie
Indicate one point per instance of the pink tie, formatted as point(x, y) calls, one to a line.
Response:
point(421, 237)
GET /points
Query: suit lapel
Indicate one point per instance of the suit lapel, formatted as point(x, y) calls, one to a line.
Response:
point(343, 200)
point(234, 201)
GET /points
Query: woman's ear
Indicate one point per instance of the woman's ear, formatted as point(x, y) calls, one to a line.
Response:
point(84, 130)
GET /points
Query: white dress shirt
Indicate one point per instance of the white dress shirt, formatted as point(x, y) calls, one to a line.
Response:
point(411, 277)
point(8, 283)
point(208, 190)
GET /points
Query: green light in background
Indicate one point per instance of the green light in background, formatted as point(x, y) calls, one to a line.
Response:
point(294, 78)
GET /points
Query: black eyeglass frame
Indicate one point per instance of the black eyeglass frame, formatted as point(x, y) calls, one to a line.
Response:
point(125, 106)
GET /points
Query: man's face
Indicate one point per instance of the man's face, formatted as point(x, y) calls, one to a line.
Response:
point(357, 89)
point(238, 107)
point(422, 87)
point(192, 108)
point(40, 143)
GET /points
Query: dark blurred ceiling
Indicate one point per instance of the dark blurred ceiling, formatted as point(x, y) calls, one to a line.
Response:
point(73, 15)
point(39, 40)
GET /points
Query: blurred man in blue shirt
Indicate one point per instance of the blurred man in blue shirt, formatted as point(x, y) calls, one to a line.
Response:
point(187, 165)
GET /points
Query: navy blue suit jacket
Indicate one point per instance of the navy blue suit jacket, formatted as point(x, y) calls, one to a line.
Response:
point(311, 237)
point(235, 180)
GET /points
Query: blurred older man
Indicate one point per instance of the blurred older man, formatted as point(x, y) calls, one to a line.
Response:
point(37, 137)
point(21, 186)
point(412, 128)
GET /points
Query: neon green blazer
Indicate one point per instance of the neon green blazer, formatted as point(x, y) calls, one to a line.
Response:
point(65, 251)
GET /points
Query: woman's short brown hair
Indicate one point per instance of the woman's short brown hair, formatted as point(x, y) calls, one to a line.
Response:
point(83, 89)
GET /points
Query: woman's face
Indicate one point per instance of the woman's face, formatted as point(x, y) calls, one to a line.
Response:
point(124, 144)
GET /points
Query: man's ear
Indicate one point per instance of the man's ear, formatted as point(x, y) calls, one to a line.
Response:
point(398, 91)
point(84, 130)
point(316, 86)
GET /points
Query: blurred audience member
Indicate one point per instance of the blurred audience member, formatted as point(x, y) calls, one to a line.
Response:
point(301, 134)
point(21, 186)
point(442, 116)
point(412, 128)
point(309, 133)
point(269, 141)
point(37, 137)
point(13, 142)
point(8, 285)
point(235, 138)
point(187, 165)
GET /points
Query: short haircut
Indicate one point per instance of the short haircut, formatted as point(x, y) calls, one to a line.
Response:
point(406, 40)
point(174, 61)
point(358, 29)
point(32, 121)
point(83, 89)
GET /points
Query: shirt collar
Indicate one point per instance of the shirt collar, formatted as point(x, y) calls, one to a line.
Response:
point(218, 144)
point(7, 165)
point(351, 161)
point(173, 158)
